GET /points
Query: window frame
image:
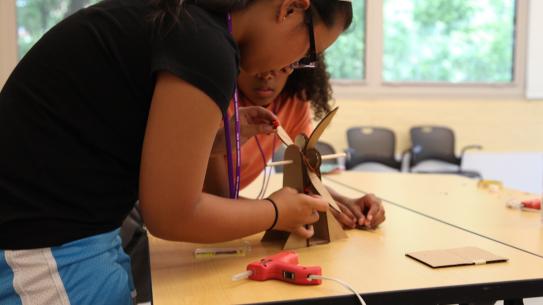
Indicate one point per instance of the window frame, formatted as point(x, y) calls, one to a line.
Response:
point(8, 39)
point(374, 87)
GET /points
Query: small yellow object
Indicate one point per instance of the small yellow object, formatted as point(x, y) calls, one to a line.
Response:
point(221, 252)
point(492, 185)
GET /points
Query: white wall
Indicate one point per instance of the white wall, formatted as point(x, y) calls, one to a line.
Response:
point(534, 69)
point(521, 171)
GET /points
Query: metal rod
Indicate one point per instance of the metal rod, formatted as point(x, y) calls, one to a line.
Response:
point(324, 157)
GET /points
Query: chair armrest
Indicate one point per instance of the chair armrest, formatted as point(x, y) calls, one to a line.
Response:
point(405, 153)
point(463, 152)
point(469, 147)
point(348, 157)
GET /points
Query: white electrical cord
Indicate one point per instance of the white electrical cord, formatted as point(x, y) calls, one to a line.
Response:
point(342, 283)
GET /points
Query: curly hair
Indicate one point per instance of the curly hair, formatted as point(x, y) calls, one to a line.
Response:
point(311, 85)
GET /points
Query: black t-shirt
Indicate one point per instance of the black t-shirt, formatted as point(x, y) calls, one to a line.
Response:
point(74, 110)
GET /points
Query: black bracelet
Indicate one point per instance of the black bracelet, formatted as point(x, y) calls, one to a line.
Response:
point(276, 212)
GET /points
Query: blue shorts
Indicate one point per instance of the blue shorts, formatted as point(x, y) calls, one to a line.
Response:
point(92, 270)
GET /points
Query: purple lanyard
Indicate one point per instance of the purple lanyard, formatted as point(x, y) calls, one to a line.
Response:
point(233, 185)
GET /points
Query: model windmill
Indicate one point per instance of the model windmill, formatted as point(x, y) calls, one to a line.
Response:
point(301, 172)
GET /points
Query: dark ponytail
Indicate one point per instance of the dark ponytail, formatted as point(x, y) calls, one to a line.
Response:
point(328, 10)
point(163, 10)
point(166, 11)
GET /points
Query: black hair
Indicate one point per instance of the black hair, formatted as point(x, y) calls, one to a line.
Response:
point(306, 84)
point(166, 11)
point(311, 85)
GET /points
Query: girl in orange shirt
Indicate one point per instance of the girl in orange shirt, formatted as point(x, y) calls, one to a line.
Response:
point(291, 95)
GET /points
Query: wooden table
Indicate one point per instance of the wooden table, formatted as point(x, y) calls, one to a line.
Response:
point(455, 200)
point(374, 262)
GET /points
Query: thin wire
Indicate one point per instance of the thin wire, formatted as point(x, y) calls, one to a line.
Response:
point(271, 169)
point(267, 172)
point(342, 283)
point(261, 193)
point(267, 175)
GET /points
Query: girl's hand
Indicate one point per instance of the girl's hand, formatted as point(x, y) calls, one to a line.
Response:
point(296, 210)
point(367, 211)
point(253, 120)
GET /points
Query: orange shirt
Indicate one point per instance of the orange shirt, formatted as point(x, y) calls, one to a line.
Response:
point(295, 117)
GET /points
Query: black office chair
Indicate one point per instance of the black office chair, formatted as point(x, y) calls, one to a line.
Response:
point(436, 143)
point(327, 149)
point(279, 155)
point(372, 145)
point(136, 244)
point(330, 165)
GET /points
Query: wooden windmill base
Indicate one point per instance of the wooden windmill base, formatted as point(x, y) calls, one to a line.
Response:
point(327, 229)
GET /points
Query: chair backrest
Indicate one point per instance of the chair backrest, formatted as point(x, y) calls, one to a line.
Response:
point(432, 143)
point(372, 144)
point(326, 149)
point(323, 147)
point(279, 155)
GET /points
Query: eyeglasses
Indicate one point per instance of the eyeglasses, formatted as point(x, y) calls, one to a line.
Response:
point(310, 60)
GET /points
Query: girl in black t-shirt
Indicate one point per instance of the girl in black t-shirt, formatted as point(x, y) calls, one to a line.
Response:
point(123, 101)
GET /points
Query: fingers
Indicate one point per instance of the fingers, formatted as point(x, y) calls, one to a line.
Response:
point(380, 218)
point(250, 130)
point(297, 210)
point(316, 203)
point(346, 218)
point(304, 232)
point(257, 114)
point(256, 120)
point(375, 214)
point(357, 210)
point(265, 128)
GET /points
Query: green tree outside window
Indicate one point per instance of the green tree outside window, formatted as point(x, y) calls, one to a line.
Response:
point(455, 41)
point(35, 17)
point(345, 58)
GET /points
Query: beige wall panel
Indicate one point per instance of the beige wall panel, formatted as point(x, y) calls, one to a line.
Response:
point(500, 126)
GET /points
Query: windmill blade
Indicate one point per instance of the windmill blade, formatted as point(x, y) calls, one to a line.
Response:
point(300, 140)
point(283, 135)
point(321, 189)
point(317, 132)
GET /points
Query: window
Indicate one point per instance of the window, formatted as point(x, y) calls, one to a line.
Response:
point(431, 47)
point(35, 17)
point(394, 48)
point(345, 58)
point(449, 41)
